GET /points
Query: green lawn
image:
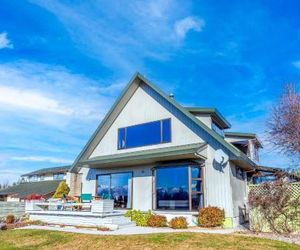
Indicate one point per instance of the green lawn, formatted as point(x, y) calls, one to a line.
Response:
point(38, 239)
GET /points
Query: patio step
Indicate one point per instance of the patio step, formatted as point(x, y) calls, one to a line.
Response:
point(118, 222)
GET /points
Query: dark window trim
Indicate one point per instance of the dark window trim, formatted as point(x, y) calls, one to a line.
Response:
point(174, 165)
point(161, 137)
point(131, 189)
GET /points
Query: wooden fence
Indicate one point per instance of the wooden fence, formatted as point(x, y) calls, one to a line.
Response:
point(258, 222)
point(15, 208)
point(294, 189)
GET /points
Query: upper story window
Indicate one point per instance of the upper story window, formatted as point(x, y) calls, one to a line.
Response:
point(149, 133)
point(59, 176)
point(217, 129)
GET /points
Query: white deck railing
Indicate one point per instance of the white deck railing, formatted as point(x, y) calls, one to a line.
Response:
point(97, 206)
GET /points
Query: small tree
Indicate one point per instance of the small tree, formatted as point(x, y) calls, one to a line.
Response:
point(276, 205)
point(284, 123)
point(62, 190)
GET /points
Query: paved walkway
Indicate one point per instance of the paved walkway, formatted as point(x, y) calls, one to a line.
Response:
point(129, 230)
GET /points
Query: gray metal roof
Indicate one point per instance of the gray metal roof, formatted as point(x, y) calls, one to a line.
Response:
point(27, 188)
point(216, 115)
point(150, 155)
point(54, 170)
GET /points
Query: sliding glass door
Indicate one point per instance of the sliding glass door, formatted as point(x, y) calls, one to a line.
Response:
point(116, 186)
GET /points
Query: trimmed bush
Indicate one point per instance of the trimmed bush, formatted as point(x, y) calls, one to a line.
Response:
point(157, 221)
point(178, 223)
point(62, 190)
point(140, 218)
point(33, 197)
point(10, 219)
point(211, 217)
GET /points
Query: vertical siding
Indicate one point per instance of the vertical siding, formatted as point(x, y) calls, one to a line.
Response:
point(143, 108)
point(239, 193)
point(217, 185)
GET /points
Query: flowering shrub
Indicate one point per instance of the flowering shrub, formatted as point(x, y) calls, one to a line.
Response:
point(211, 217)
point(33, 197)
point(157, 221)
point(178, 223)
point(140, 218)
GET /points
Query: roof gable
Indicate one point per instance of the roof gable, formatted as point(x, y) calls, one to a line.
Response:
point(211, 137)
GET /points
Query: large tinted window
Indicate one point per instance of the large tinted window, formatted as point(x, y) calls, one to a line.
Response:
point(179, 188)
point(117, 187)
point(172, 188)
point(149, 133)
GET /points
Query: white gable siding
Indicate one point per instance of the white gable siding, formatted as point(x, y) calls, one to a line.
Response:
point(206, 119)
point(143, 108)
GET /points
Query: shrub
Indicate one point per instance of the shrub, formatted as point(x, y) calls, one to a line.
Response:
point(3, 227)
point(211, 217)
point(62, 190)
point(178, 223)
point(275, 203)
point(157, 221)
point(10, 219)
point(140, 218)
point(33, 197)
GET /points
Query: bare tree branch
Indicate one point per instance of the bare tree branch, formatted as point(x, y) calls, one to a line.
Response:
point(284, 123)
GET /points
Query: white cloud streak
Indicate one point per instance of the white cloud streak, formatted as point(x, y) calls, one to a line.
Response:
point(182, 27)
point(5, 43)
point(296, 64)
point(51, 93)
point(42, 159)
point(32, 100)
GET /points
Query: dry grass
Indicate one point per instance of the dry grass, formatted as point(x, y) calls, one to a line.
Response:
point(37, 239)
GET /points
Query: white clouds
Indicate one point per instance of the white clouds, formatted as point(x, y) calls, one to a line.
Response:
point(28, 99)
point(53, 94)
point(5, 43)
point(182, 27)
point(296, 64)
point(42, 159)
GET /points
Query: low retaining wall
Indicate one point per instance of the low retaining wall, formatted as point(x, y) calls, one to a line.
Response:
point(15, 208)
point(87, 219)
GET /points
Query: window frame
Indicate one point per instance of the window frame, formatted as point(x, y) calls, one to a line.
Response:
point(161, 134)
point(190, 180)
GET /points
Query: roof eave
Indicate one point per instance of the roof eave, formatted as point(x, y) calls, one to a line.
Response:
point(216, 115)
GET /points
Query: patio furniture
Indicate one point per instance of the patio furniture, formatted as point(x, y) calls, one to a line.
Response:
point(86, 198)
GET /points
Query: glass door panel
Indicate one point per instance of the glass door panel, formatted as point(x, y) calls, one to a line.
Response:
point(121, 189)
point(103, 187)
point(117, 187)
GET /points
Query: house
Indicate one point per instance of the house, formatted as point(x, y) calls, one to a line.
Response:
point(43, 182)
point(46, 174)
point(149, 152)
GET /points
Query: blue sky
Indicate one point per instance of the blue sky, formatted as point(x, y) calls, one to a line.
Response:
point(63, 63)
